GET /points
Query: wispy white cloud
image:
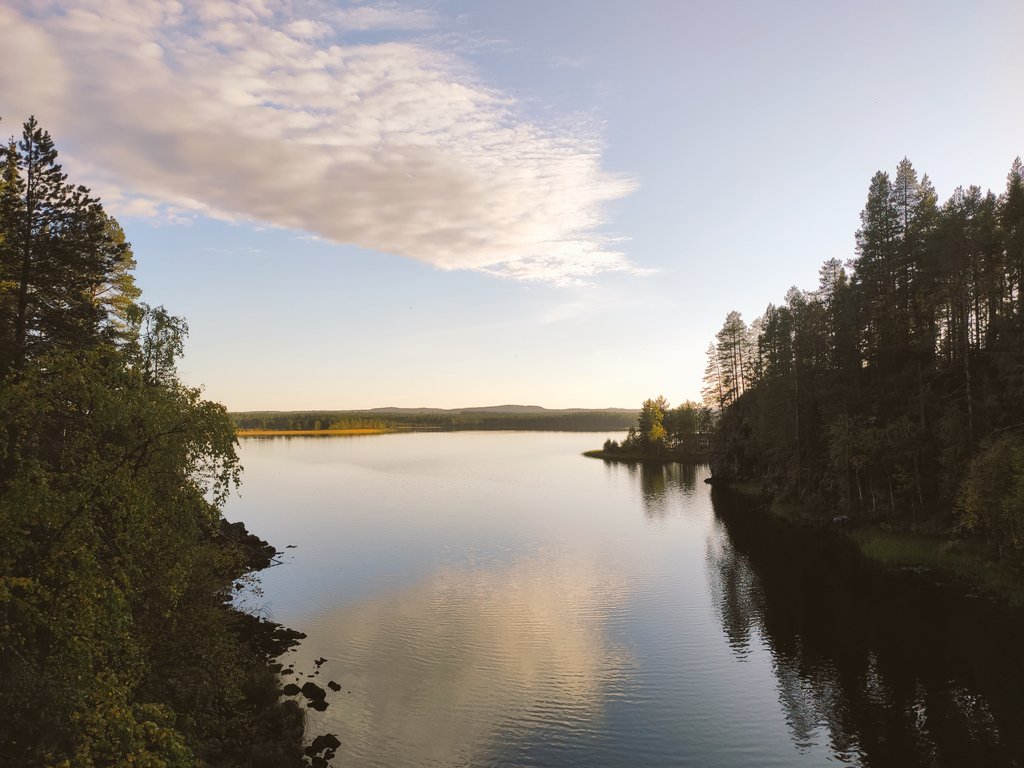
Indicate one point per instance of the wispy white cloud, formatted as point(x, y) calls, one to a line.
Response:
point(386, 16)
point(253, 110)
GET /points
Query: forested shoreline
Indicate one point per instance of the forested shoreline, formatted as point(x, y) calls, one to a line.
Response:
point(119, 642)
point(501, 418)
point(893, 393)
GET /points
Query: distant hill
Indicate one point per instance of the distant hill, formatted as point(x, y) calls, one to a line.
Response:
point(505, 409)
point(395, 409)
point(470, 409)
point(498, 409)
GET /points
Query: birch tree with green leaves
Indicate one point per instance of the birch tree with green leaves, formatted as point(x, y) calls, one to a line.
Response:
point(118, 645)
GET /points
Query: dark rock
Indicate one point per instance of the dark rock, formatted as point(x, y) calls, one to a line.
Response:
point(328, 743)
point(291, 689)
point(334, 686)
point(313, 691)
point(322, 742)
point(267, 638)
point(319, 705)
point(258, 553)
point(319, 662)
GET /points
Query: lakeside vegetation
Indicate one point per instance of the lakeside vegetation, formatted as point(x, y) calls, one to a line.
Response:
point(662, 433)
point(941, 555)
point(891, 398)
point(119, 640)
point(505, 417)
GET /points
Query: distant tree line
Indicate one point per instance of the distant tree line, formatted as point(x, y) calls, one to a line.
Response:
point(894, 390)
point(118, 645)
point(558, 420)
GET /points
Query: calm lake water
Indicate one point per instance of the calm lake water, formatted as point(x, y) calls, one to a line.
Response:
point(496, 599)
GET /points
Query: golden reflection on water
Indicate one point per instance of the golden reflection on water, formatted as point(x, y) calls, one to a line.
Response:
point(442, 670)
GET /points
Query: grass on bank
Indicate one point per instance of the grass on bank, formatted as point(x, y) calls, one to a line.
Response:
point(967, 562)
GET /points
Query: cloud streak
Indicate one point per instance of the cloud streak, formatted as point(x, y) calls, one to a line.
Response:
point(250, 110)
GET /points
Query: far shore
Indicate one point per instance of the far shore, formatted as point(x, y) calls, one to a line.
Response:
point(317, 432)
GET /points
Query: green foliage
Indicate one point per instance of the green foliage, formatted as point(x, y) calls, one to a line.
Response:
point(65, 276)
point(652, 434)
point(117, 642)
point(160, 342)
point(662, 431)
point(992, 498)
point(872, 395)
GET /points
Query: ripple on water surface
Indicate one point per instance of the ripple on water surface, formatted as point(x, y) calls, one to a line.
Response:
point(498, 600)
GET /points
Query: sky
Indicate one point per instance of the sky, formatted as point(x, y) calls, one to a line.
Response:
point(453, 203)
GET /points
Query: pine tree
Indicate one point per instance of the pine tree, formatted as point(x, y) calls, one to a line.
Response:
point(735, 358)
point(1011, 220)
point(64, 264)
point(878, 244)
point(713, 391)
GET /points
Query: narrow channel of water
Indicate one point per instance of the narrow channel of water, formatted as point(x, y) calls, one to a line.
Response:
point(495, 599)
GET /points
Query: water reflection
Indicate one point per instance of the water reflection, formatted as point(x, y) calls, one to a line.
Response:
point(888, 670)
point(437, 670)
point(659, 483)
point(497, 599)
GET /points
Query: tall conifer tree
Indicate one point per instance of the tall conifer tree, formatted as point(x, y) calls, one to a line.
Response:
point(64, 265)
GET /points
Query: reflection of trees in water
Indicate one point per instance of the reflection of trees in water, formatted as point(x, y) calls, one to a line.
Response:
point(734, 590)
point(659, 483)
point(892, 671)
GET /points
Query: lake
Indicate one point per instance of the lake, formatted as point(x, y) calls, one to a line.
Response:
point(496, 599)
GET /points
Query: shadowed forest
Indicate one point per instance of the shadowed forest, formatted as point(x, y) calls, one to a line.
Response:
point(894, 391)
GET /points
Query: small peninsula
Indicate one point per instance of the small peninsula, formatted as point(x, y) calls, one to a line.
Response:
point(663, 434)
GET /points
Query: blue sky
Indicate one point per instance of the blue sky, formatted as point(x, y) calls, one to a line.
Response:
point(465, 203)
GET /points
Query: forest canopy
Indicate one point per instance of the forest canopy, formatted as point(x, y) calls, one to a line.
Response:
point(118, 644)
point(894, 390)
